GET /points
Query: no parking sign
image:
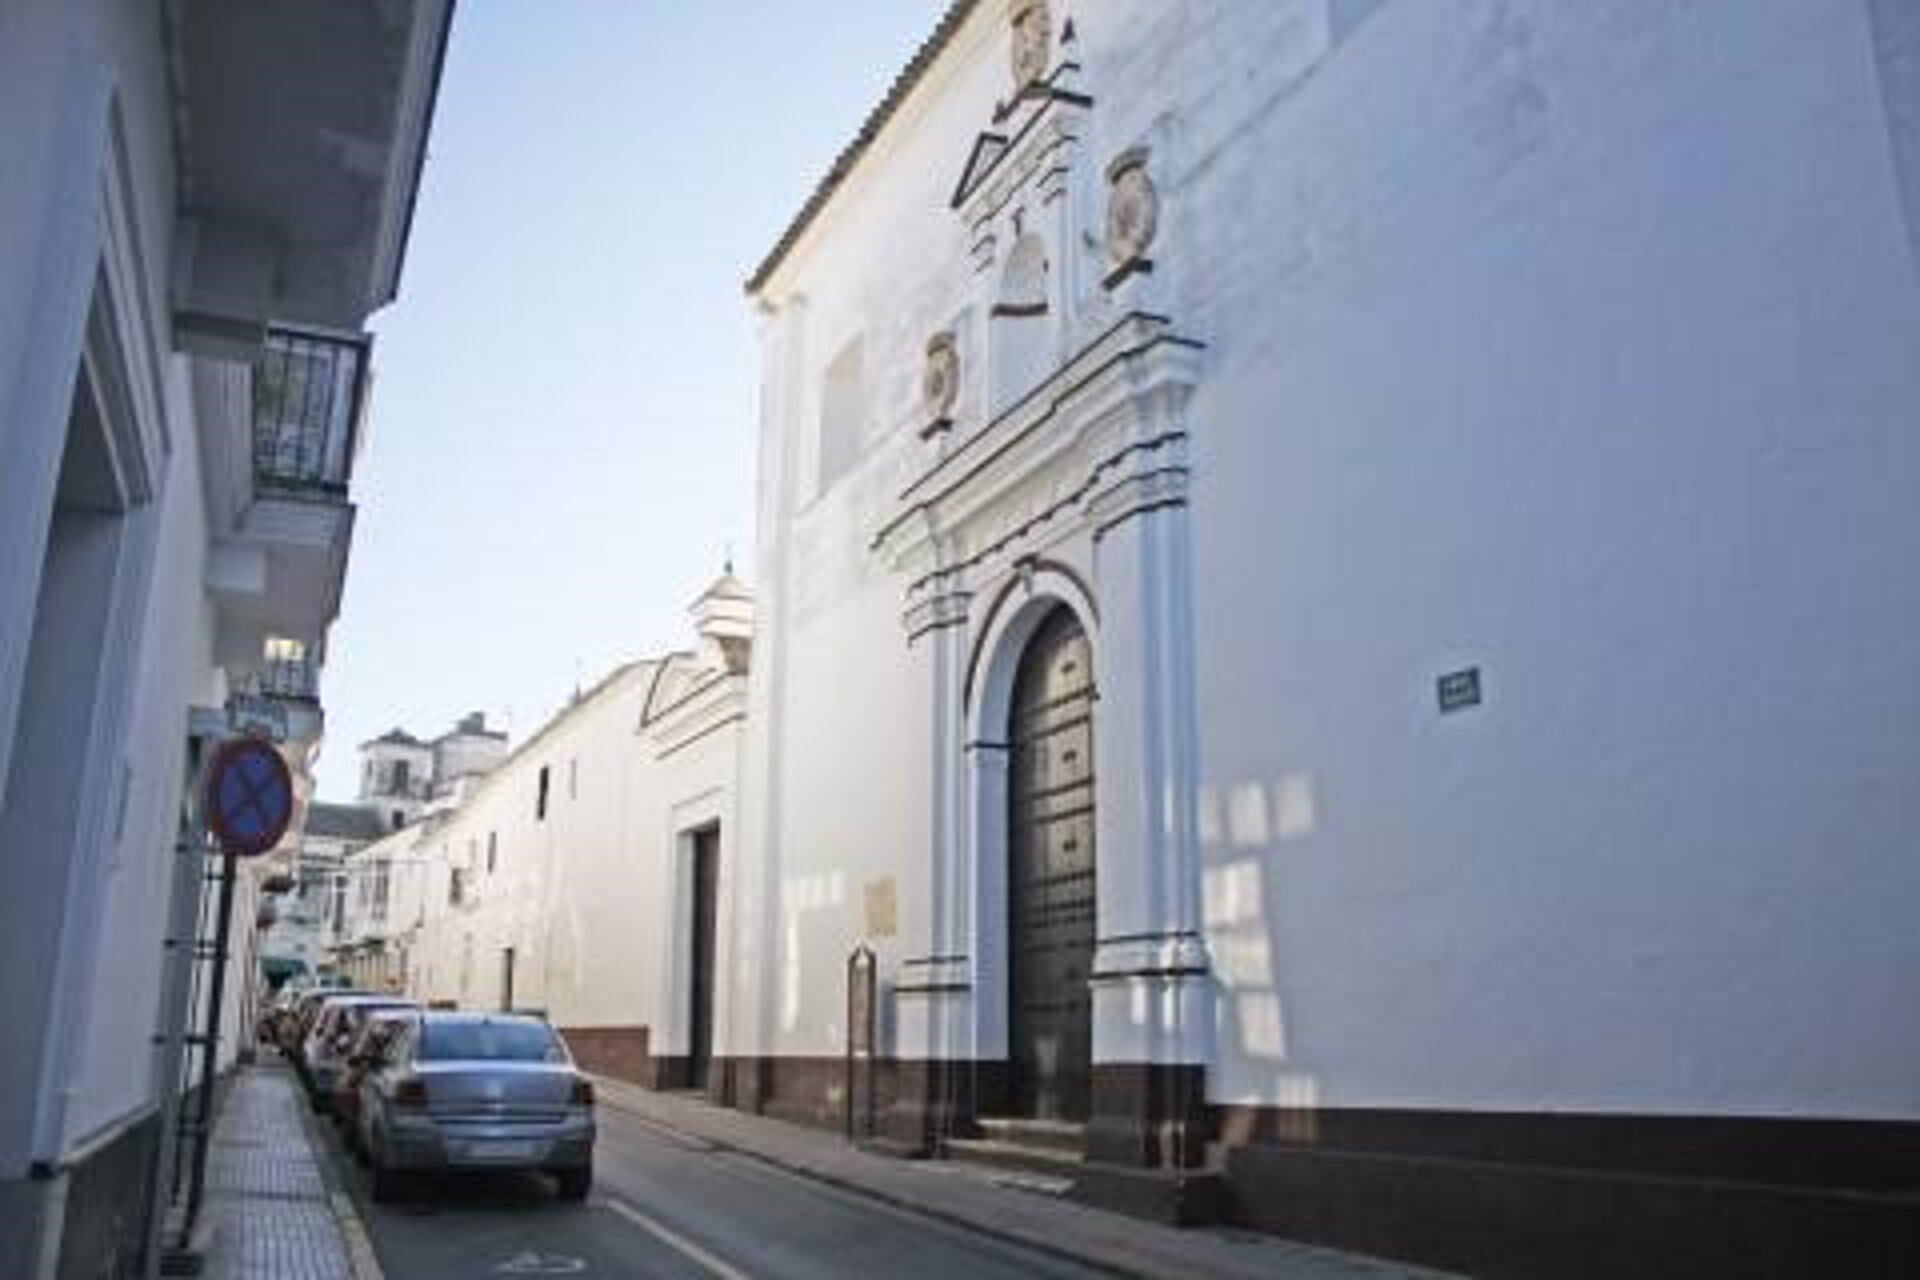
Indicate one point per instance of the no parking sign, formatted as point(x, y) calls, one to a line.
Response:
point(249, 796)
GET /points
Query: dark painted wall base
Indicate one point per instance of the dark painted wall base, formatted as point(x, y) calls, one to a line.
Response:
point(1174, 1197)
point(106, 1221)
point(1512, 1220)
point(1859, 1154)
point(1148, 1115)
point(621, 1052)
point(1496, 1194)
point(1528, 1194)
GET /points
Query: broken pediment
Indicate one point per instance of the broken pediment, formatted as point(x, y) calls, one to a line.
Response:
point(987, 150)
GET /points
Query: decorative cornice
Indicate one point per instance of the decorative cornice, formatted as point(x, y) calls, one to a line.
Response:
point(715, 702)
point(1042, 146)
point(932, 612)
point(1100, 440)
point(1177, 953)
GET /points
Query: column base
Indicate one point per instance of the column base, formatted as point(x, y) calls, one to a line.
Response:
point(1148, 1115)
point(938, 1100)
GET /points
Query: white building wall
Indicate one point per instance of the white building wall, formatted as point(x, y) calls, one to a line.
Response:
point(118, 1070)
point(1572, 342)
point(88, 154)
point(592, 898)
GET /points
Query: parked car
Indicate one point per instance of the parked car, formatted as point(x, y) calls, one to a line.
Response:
point(324, 1050)
point(455, 1091)
point(376, 1028)
point(293, 1026)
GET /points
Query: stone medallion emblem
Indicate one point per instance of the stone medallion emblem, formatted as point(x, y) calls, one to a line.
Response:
point(1032, 41)
point(940, 379)
point(1133, 208)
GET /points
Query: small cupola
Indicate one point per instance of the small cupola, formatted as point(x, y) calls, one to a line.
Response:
point(723, 617)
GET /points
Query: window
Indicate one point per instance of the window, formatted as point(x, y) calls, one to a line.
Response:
point(573, 779)
point(493, 849)
point(401, 771)
point(490, 1040)
point(284, 649)
point(842, 416)
point(456, 887)
point(540, 802)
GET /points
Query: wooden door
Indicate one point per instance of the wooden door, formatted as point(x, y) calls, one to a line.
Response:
point(706, 883)
point(1051, 872)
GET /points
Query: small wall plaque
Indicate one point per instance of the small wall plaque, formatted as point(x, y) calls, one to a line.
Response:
point(882, 908)
point(1459, 689)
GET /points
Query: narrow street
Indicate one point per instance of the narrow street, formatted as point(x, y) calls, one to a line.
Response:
point(665, 1205)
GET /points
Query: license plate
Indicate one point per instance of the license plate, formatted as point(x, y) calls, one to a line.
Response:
point(502, 1149)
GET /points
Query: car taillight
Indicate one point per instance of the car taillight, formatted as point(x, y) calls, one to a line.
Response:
point(582, 1092)
point(410, 1093)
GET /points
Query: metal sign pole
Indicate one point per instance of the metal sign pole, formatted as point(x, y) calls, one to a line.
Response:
point(247, 804)
point(210, 1038)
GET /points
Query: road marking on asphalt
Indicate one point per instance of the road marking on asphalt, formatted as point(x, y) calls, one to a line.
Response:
point(528, 1263)
point(653, 1226)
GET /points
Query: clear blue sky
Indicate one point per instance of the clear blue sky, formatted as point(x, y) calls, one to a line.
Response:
point(562, 435)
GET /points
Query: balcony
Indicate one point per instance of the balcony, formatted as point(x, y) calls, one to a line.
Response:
point(290, 679)
point(308, 397)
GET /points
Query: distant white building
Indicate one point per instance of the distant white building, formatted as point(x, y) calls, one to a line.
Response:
point(202, 205)
point(300, 931)
point(1336, 602)
point(580, 876)
point(373, 892)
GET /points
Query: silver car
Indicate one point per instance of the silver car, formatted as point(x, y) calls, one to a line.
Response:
point(324, 1052)
point(477, 1091)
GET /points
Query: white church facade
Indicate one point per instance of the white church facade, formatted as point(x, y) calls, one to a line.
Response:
point(1335, 605)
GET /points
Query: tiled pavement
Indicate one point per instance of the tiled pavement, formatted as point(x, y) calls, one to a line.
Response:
point(269, 1209)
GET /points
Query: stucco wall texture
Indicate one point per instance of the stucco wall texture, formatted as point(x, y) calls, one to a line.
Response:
point(1576, 343)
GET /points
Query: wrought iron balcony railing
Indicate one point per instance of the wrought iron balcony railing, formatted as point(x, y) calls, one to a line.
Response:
point(308, 393)
point(293, 678)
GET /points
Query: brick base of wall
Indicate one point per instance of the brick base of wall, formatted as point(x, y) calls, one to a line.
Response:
point(621, 1052)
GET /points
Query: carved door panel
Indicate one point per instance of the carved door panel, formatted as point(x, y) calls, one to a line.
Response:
point(1051, 873)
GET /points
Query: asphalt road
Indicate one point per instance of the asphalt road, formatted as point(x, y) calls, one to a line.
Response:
point(668, 1205)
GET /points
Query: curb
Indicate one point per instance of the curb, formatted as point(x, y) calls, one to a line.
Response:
point(354, 1237)
point(360, 1254)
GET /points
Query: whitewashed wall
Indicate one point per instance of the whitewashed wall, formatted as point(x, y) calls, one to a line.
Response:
point(593, 898)
point(55, 63)
point(1575, 342)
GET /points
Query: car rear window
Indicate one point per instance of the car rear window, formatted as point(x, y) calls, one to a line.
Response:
point(489, 1041)
point(357, 1014)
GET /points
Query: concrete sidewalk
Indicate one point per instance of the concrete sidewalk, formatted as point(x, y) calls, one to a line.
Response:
point(270, 1213)
point(965, 1196)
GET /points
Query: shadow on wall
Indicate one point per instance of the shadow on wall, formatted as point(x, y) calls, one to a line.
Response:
point(1245, 828)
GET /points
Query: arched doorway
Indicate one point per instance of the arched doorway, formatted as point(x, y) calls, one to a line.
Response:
point(1050, 872)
